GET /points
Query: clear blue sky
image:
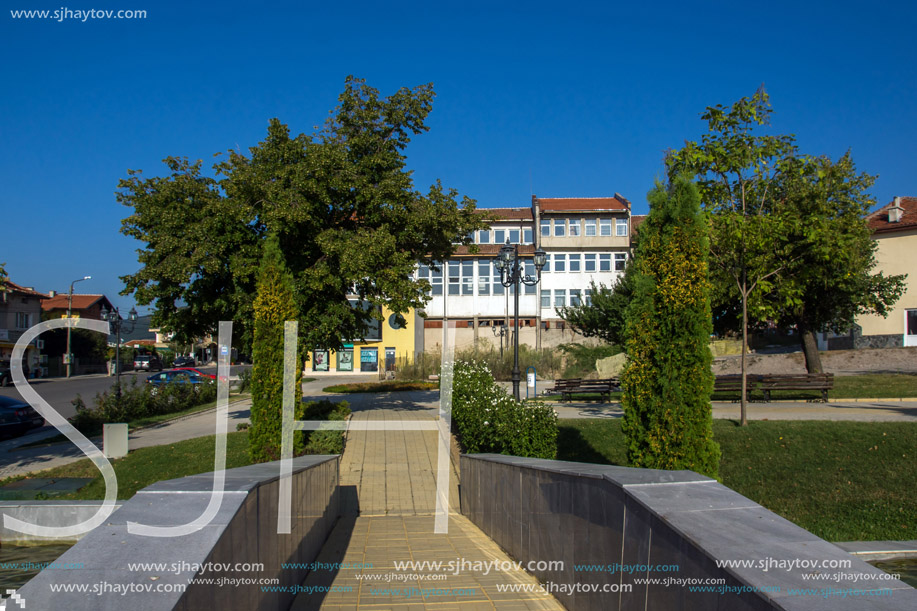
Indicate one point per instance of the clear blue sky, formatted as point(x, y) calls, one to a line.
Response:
point(563, 98)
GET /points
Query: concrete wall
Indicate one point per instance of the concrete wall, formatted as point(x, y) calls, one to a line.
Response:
point(46, 513)
point(243, 531)
point(586, 514)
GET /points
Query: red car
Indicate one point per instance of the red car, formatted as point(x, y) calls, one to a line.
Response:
point(206, 375)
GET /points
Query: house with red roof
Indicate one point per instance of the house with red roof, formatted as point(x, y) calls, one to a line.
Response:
point(894, 228)
point(83, 306)
point(20, 309)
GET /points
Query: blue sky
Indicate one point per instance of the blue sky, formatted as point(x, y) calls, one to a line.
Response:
point(563, 99)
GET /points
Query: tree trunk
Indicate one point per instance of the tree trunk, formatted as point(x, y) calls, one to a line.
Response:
point(809, 348)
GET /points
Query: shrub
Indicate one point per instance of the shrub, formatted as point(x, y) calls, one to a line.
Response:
point(667, 379)
point(487, 419)
point(324, 442)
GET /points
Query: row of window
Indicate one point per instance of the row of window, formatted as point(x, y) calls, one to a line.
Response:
point(589, 227)
point(576, 297)
point(462, 280)
point(502, 236)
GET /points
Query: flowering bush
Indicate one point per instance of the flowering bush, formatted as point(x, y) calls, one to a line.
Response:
point(488, 420)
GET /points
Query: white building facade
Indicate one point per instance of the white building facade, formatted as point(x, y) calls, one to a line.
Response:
point(586, 240)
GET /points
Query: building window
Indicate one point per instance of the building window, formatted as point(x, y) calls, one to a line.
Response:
point(23, 320)
point(369, 359)
point(545, 228)
point(546, 298)
point(345, 359)
point(574, 228)
point(590, 263)
point(588, 298)
point(468, 277)
point(560, 263)
point(499, 236)
point(574, 263)
point(560, 298)
point(497, 283)
point(590, 228)
point(575, 297)
point(560, 228)
point(513, 236)
point(620, 261)
point(604, 227)
point(530, 272)
point(484, 277)
point(484, 236)
point(455, 274)
point(436, 279)
point(604, 263)
point(320, 360)
point(620, 227)
point(527, 236)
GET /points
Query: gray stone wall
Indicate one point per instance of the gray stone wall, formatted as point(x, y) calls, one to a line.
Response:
point(624, 521)
point(243, 531)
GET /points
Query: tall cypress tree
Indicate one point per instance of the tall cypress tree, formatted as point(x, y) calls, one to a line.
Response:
point(274, 304)
point(667, 381)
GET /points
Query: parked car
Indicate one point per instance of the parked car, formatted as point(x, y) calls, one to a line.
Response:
point(6, 373)
point(184, 361)
point(197, 371)
point(147, 362)
point(17, 417)
point(177, 376)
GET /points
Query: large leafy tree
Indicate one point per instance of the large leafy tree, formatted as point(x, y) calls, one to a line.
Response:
point(667, 380)
point(737, 171)
point(826, 280)
point(341, 202)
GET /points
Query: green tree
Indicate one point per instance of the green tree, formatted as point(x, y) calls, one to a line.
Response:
point(604, 315)
point(343, 207)
point(667, 380)
point(737, 172)
point(826, 281)
point(274, 305)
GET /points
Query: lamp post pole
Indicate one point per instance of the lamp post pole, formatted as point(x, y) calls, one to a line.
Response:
point(69, 310)
point(511, 275)
point(114, 320)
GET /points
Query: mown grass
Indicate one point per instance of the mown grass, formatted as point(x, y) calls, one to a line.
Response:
point(385, 386)
point(843, 481)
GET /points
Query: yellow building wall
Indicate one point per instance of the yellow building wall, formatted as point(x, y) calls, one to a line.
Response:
point(402, 340)
point(897, 254)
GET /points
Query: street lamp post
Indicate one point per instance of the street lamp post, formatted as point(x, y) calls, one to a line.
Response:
point(69, 309)
point(511, 274)
point(114, 320)
point(501, 334)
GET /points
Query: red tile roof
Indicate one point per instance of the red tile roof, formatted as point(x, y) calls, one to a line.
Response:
point(80, 302)
point(583, 204)
point(879, 223)
point(509, 214)
point(12, 286)
point(635, 221)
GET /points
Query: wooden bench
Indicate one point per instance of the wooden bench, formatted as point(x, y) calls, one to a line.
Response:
point(733, 382)
point(804, 381)
point(577, 386)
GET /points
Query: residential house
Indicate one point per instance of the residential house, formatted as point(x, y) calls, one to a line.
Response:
point(20, 309)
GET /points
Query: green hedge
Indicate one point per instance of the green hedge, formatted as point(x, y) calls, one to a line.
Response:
point(138, 402)
point(488, 420)
point(325, 442)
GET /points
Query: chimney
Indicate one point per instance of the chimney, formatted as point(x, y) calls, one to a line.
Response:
point(896, 211)
point(52, 293)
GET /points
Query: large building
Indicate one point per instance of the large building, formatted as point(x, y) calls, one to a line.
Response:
point(894, 228)
point(586, 240)
point(20, 310)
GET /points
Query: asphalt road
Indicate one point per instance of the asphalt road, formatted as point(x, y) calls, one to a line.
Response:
point(60, 392)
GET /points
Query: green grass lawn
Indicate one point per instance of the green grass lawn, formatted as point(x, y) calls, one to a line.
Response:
point(386, 386)
point(145, 466)
point(843, 481)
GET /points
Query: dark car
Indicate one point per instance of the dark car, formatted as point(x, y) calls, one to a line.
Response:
point(184, 361)
point(177, 376)
point(147, 362)
point(6, 373)
point(17, 417)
